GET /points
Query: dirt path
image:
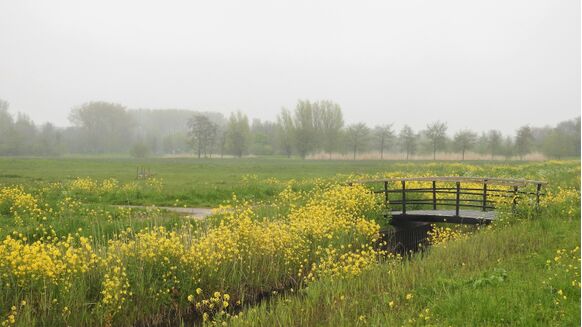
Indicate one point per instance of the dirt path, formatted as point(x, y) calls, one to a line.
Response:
point(198, 213)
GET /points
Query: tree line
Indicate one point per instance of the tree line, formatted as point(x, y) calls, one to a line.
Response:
point(312, 128)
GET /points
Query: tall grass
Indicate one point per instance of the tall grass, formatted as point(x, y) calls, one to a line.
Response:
point(498, 276)
point(69, 258)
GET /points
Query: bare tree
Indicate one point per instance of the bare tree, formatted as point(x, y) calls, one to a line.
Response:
point(285, 131)
point(523, 141)
point(437, 133)
point(464, 140)
point(494, 142)
point(407, 140)
point(384, 134)
point(357, 136)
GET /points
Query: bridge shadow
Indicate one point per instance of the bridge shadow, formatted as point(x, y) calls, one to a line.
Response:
point(460, 200)
point(444, 216)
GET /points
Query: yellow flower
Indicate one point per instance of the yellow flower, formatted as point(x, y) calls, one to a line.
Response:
point(409, 296)
point(190, 298)
point(198, 291)
point(391, 304)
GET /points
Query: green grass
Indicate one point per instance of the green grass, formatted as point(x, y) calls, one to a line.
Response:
point(209, 182)
point(494, 278)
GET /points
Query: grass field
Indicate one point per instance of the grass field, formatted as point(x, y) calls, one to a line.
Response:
point(304, 256)
point(209, 182)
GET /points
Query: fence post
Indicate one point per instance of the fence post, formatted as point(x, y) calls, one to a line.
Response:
point(485, 195)
point(433, 195)
point(403, 197)
point(458, 199)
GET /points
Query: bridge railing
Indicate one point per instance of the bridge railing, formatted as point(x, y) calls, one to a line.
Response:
point(458, 192)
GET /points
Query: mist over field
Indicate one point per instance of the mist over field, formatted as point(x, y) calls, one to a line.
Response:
point(312, 130)
point(290, 163)
point(489, 68)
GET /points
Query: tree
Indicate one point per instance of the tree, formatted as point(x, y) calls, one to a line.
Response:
point(437, 133)
point(357, 136)
point(139, 150)
point(285, 131)
point(103, 126)
point(330, 121)
point(237, 134)
point(24, 135)
point(384, 134)
point(555, 144)
point(263, 136)
point(304, 128)
point(523, 141)
point(494, 142)
point(6, 129)
point(507, 148)
point(464, 140)
point(49, 140)
point(202, 134)
point(407, 140)
point(222, 135)
point(570, 131)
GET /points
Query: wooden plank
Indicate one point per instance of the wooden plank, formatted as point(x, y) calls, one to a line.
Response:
point(443, 213)
point(448, 216)
point(479, 180)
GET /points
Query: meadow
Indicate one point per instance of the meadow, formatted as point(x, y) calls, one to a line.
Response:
point(289, 244)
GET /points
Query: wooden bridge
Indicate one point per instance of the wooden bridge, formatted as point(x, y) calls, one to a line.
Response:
point(464, 200)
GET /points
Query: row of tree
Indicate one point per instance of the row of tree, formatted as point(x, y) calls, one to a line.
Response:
point(311, 128)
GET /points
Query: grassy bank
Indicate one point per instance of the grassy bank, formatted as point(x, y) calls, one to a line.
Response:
point(496, 277)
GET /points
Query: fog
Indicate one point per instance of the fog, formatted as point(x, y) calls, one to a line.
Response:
point(479, 65)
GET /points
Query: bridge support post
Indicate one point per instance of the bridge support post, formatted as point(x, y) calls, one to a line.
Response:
point(386, 199)
point(458, 200)
point(485, 195)
point(403, 197)
point(433, 195)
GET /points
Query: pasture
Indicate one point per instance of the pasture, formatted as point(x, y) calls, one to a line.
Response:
point(289, 244)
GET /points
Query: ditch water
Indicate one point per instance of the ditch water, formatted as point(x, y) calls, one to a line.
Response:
point(405, 237)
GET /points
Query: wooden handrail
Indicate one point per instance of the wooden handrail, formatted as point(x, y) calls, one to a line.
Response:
point(486, 193)
point(453, 179)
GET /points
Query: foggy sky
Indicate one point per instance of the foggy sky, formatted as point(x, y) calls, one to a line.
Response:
point(474, 64)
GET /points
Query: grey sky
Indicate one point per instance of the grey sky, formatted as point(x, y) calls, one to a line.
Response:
point(477, 64)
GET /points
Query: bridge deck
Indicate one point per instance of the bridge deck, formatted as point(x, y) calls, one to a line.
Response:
point(465, 216)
